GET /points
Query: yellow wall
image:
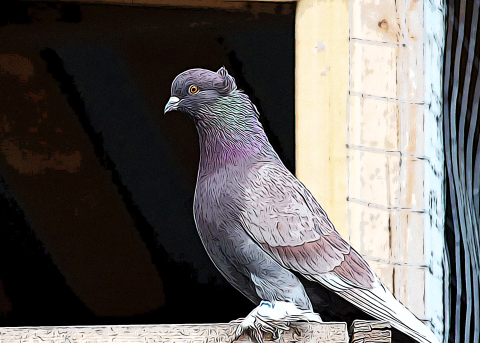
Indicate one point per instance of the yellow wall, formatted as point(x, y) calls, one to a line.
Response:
point(322, 78)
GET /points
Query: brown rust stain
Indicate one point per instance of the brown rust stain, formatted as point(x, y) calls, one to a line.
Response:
point(379, 22)
point(383, 24)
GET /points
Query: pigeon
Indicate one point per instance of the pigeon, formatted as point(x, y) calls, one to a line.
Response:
point(261, 227)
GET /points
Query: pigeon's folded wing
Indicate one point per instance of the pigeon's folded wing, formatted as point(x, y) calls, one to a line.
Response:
point(291, 226)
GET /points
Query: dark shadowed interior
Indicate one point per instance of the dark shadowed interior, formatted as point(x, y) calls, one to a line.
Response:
point(96, 183)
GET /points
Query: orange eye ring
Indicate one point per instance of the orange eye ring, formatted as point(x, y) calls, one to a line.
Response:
point(193, 89)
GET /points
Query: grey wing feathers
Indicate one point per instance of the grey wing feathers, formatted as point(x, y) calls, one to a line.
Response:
point(290, 225)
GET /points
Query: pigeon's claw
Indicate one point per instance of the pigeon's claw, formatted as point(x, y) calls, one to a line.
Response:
point(236, 321)
point(275, 329)
point(272, 318)
point(257, 335)
point(256, 329)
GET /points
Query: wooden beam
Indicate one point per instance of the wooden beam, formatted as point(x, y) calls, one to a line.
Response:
point(178, 333)
point(363, 331)
point(245, 5)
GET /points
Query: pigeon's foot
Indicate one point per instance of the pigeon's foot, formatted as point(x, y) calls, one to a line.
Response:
point(273, 318)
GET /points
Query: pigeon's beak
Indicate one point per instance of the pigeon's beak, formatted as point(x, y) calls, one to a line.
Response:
point(172, 104)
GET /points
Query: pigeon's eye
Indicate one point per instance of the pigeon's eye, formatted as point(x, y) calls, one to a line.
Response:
point(193, 89)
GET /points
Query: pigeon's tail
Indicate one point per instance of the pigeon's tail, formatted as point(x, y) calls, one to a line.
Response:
point(381, 304)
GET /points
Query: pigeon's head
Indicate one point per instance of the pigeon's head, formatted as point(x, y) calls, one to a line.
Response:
point(196, 89)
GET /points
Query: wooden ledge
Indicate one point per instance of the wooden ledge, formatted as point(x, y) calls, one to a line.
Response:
point(181, 333)
point(363, 331)
point(235, 5)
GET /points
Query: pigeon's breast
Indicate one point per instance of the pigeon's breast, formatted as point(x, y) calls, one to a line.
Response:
point(218, 196)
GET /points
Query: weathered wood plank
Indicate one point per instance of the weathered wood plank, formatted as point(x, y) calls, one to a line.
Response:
point(362, 331)
point(242, 5)
point(178, 333)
